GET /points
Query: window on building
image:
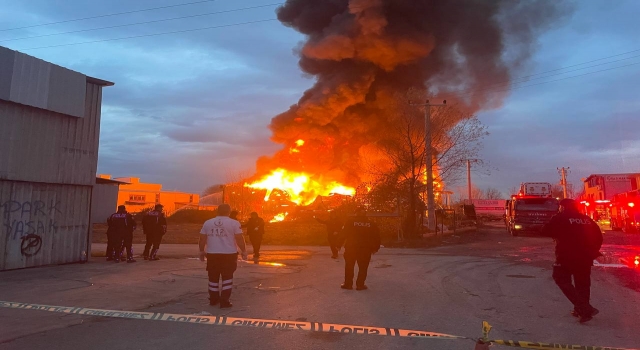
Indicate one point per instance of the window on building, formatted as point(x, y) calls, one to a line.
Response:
point(157, 197)
point(191, 198)
point(137, 198)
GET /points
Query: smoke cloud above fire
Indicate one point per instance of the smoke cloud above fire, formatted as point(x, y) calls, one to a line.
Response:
point(363, 52)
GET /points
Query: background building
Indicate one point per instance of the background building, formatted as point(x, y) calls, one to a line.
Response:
point(138, 196)
point(49, 134)
point(605, 186)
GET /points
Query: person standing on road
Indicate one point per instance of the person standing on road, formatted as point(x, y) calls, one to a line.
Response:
point(578, 241)
point(333, 230)
point(121, 226)
point(154, 225)
point(361, 238)
point(255, 229)
point(220, 239)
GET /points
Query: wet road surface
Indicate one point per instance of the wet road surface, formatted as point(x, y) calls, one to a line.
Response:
point(451, 289)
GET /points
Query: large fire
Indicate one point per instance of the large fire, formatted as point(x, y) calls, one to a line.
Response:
point(301, 187)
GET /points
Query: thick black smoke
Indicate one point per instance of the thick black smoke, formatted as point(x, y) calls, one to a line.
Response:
point(362, 52)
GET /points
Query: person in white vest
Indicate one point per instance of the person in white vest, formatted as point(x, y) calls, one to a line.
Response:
point(220, 239)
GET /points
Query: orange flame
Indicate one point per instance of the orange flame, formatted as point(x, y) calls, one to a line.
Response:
point(295, 149)
point(300, 186)
point(279, 217)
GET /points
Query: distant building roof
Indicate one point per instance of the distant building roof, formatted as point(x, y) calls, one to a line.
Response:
point(101, 180)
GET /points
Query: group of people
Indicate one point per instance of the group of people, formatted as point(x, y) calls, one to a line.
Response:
point(222, 237)
point(120, 234)
point(578, 241)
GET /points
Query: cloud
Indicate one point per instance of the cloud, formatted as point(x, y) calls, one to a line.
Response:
point(190, 109)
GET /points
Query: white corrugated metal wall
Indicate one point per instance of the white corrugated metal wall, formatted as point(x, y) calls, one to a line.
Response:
point(104, 202)
point(47, 158)
point(43, 224)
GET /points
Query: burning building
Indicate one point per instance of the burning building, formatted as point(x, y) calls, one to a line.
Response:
point(362, 53)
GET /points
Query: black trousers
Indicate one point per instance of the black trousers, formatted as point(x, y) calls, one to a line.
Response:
point(221, 267)
point(256, 242)
point(127, 243)
point(153, 240)
point(114, 242)
point(577, 291)
point(333, 244)
point(351, 257)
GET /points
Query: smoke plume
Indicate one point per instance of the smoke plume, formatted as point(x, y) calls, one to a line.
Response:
point(362, 52)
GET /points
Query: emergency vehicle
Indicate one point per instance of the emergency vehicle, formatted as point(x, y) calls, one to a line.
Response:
point(625, 211)
point(530, 209)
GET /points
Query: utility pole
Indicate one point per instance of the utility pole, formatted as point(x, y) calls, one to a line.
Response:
point(469, 177)
point(563, 179)
point(428, 161)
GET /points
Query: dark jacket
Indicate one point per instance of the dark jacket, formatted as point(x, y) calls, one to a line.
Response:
point(334, 226)
point(154, 222)
point(255, 226)
point(360, 234)
point(578, 238)
point(121, 222)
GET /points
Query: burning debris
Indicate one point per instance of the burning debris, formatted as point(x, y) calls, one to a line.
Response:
point(362, 53)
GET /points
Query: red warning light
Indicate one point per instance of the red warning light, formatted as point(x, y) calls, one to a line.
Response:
point(637, 261)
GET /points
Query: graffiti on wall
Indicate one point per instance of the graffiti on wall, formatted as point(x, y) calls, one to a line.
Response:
point(28, 221)
point(31, 245)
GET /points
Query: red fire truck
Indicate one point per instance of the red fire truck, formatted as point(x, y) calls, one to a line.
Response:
point(625, 211)
point(531, 208)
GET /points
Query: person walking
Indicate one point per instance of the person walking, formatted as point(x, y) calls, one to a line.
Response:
point(220, 239)
point(578, 241)
point(154, 225)
point(333, 231)
point(255, 230)
point(361, 239)
point(121, 225)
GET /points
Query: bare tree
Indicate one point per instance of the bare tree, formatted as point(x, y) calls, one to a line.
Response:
point(492, 193)
point(455, 138)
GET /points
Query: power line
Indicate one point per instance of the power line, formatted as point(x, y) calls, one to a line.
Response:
point(525, 78)
point(550, 81)
point(108, 15)
point(149, 35)
point(147, 22)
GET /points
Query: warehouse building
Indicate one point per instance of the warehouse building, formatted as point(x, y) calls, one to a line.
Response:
point(50, 127)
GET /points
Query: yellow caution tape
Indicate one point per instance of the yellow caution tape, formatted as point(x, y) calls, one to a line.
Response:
point(486, 328)
point(235, 321)
point(550, 346)
point(293, 325)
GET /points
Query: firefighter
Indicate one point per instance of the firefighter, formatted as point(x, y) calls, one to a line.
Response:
point(334, 226)
point(121, 226)
point(220, 238)
point(255, 230)
point(154, 225)
point(361, 238)
point(578, 241)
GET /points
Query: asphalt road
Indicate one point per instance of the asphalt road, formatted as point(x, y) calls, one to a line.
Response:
point(451, 289)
